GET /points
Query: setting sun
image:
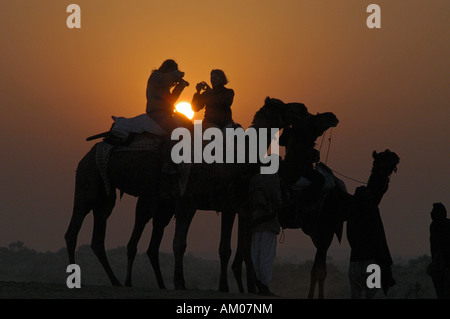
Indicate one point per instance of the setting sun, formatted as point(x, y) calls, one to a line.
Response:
point(186, 109)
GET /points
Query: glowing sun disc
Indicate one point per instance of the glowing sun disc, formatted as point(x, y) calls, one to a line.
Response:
point(186, 109)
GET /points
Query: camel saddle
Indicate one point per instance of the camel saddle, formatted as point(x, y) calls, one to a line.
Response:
point(301, 211)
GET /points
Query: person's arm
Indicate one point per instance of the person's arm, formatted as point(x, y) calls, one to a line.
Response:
point(257, 199)
point(272, 191)
point(171, 77)
point(198, 101)
point(177, 91)
point(433, 242)
point(278, 195)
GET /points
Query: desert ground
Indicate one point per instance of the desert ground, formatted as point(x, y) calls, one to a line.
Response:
point(35, 290)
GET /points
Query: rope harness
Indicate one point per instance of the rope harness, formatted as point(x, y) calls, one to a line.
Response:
point(326, 158)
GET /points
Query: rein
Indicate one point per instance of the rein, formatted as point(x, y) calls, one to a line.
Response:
point(326, 159)
point(342, 175)
point(329, 143)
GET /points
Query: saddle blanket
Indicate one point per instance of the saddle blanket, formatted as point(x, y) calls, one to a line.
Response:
point(331, 180)
point(139, 124)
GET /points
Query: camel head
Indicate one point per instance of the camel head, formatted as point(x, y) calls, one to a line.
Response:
point(385, 162)
point(294, 112)
point(322, 122)
point(275, 113)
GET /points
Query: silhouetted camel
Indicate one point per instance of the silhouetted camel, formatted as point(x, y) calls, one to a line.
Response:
point(230, 196)
point(365, 230)
point(304, 136)
point(337, 206)
point(138, 173)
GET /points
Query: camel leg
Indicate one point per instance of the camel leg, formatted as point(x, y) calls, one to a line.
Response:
point(321, 275)
point(160, 221)
point(101, 214)
point(313, 281)
point(87, 189)
point(243, 254)
point(237, 269)
point(247, 257)
point(322, 265)
point(182, 222)
point(320, 272)
point(319, 269)
point(79, 213)
point(143, 215)
point(225, 248)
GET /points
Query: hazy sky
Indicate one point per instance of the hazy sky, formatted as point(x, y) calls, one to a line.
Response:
point(389, 87)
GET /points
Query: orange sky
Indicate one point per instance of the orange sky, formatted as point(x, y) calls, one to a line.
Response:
point(389, 88)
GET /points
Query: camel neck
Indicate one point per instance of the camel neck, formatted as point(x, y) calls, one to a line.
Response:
point(378, 185)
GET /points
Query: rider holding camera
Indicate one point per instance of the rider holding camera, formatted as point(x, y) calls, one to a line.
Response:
point(216, 100)
point(160, 99)
point(161, 105)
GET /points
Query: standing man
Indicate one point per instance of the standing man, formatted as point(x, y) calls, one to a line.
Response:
point(439, 269)
point(367, 240)
point(266, 202)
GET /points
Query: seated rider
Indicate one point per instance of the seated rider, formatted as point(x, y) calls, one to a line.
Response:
point(309, 156)
point(216, 100)
point(161, 103)
point(160, 99)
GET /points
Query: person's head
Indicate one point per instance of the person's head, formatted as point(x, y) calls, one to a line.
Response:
point(439, 212)
point(218, 78)
point(168, 66)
